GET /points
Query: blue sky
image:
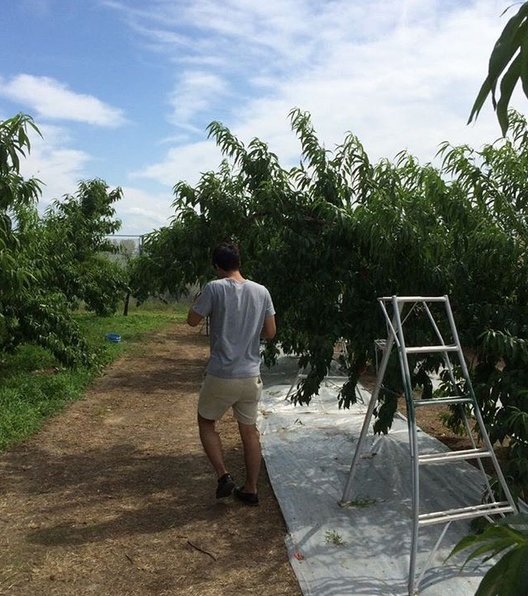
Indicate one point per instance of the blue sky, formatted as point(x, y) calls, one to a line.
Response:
point(124, 89)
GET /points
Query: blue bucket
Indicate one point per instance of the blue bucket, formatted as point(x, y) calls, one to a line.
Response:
point(113, 337)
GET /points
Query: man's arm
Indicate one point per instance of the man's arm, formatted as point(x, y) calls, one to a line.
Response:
point(269, 329)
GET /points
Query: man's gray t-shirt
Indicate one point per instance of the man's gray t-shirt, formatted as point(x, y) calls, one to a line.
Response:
point(237, 311)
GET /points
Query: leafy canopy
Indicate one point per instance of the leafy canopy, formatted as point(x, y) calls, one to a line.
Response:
point(48, 265)
point(331, 235)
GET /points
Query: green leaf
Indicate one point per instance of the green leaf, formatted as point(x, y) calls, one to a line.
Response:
point(509, 577)
point(511, 38)
point(508, 82)
point(479, 101)
point(524, 64)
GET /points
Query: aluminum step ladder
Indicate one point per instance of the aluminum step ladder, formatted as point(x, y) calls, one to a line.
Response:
point(401, 308)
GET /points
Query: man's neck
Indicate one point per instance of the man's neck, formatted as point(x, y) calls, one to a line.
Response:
point(234, 275)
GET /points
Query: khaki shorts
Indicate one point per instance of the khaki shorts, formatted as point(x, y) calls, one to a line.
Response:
point(217, 395)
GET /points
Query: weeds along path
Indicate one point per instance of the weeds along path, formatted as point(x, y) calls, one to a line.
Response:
point(114, 496)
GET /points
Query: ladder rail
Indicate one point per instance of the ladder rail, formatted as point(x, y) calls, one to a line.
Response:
point(408, 314)
point(477, 413)
point(489, 490)
point(427, 564)
point(433, 323)
point(413, 440)
point(390, 324)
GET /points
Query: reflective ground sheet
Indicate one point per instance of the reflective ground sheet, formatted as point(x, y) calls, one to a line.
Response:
point(362, 548)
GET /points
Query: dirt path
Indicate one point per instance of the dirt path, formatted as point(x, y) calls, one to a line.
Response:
point(114, 495)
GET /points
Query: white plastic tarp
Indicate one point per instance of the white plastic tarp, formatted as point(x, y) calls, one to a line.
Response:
point(364, 548)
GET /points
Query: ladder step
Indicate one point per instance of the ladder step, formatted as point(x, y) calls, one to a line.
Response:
point(431, 349)
point(428, 519)
point(462, 454)
point(439, 401)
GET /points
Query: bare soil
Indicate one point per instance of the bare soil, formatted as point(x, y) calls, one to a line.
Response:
point(114, 495)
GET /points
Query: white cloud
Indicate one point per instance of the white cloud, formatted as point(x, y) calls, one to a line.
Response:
point(398, 75)
point(196, 92)
point(184, 163)
point(61, 167)
point(52, 99)
point(142, 211)
point(57, 165)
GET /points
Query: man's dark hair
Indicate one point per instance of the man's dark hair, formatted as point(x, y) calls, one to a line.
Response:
point(226, 256)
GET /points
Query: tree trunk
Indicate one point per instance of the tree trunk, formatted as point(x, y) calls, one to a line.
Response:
point(127, 301)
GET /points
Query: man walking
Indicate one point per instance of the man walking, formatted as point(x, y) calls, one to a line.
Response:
point(241, 312)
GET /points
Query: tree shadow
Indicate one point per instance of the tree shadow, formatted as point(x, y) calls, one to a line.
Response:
point(131, 491)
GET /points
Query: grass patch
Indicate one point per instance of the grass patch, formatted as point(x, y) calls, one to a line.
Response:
point(333, 537)
point(34, 385)
point(131, 328)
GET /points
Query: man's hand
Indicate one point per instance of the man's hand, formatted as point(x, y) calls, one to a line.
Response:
point(193, 318)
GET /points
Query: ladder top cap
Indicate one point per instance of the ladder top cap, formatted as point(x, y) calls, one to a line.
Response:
point(414, 298)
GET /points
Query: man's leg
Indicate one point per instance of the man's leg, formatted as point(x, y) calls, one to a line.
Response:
point(252, 455)
point(212, 445)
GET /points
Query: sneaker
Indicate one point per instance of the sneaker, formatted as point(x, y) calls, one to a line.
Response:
point(225, 486)
point(246, 498)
